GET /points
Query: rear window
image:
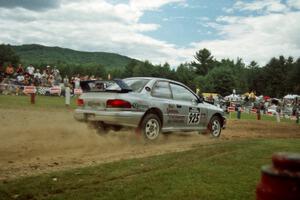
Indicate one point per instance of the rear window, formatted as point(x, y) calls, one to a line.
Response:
point(135, 84)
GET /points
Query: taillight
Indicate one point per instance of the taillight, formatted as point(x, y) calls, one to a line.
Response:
point(80, 102)
point(117, 103)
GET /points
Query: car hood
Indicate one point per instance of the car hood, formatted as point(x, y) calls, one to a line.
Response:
point(212, 107)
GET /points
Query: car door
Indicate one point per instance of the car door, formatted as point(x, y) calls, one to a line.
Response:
point(160, 98)
point(188, 113)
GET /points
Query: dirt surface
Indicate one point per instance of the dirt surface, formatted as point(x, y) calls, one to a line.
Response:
point(38, 141)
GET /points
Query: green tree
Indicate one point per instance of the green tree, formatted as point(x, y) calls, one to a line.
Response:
point(255, 78)
point(205, 62)
point(128, 71)
point(186, 75)
point(276, 73)
point(221, 80)
point(8, 55)
point(293, 80)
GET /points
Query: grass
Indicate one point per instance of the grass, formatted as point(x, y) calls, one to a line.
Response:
point(47, 102)
point(247, 116)
point(229, 170)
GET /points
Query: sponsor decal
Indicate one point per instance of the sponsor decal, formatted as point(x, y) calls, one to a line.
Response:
point(176, 119)
point(139, 106)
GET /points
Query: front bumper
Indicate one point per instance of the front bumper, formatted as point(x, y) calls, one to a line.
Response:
point(124, 118)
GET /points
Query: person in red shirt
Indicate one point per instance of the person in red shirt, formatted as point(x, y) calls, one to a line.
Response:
point(9, 70)
point(20, 69)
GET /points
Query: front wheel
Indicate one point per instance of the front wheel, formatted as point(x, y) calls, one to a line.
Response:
point(150, 127)
point(215, 126)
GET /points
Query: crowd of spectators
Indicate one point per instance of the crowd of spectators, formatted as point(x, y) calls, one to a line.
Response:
point(31, 76)
point(46, 77)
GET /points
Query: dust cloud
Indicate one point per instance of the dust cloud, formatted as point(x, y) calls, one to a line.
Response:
point(38, 141)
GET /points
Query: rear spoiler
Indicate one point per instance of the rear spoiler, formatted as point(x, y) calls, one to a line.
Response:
point(101, 86)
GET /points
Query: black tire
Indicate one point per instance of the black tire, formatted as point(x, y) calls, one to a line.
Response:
point(150, 127)
point(215, 126)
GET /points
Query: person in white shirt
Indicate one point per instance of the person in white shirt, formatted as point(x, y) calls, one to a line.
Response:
point(77, 82)
point(37, 74)
point(30, 69)
point(20, 79)
point(55, 71)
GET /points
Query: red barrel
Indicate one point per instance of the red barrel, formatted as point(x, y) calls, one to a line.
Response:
point(280, 181)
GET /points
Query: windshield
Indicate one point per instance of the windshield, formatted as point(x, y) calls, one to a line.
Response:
point(135, 84)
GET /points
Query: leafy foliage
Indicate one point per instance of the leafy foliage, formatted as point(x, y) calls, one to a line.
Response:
point(277, 78)
point(205, 62)
point(8, 55)
point(221, 80)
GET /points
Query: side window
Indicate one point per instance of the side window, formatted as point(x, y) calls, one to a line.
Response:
point(161, 89)
point(181, 93)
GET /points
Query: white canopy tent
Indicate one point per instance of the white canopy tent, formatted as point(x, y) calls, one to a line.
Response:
point(233, 97)
point(291, 96)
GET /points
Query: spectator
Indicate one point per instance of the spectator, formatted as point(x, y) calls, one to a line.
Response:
point(20, 79)
point(20, 69)
point(30, 70)
point(45, 74)
point(77, 82)
point(55, 71)
point(37, 74)
point(278, 111)
point(9, 70)
point(57, 79)
point(51, 80)
point(37, 77)
point(66, 81)
point(27, 80)
point(73, 82)
point(48, 70)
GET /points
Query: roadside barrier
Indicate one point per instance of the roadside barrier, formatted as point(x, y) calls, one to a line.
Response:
point(270, 113)
point(253, 111)
point(77, 91)
point(39, 90)
point(55, 90)
point(230, 109)
point(29, 89)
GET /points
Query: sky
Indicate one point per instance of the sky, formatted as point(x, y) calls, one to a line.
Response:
point(158, 30)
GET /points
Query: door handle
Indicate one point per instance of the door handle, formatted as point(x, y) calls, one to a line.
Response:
point(178, 106)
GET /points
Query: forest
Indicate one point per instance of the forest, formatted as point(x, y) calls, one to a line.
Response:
point(278, 77)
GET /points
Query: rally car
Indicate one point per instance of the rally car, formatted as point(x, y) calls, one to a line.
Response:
point(151, 105)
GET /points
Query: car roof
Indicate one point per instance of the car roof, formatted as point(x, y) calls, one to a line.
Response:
point(155, 78)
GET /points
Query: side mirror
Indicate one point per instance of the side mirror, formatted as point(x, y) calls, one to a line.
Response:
point(148, 89)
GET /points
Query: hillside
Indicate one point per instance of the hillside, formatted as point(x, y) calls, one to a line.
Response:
point(38, 54)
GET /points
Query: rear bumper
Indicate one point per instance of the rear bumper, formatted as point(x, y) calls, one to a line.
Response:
point(124, 118)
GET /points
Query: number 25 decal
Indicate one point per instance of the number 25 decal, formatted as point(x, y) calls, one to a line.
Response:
point(194, 118)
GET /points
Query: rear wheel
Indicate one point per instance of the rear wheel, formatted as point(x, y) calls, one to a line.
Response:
point(150, 127)
point(215, 126)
